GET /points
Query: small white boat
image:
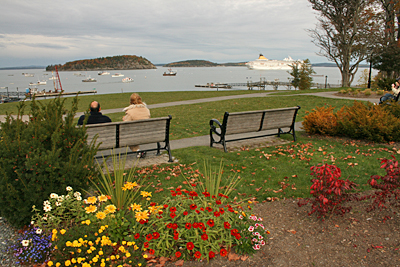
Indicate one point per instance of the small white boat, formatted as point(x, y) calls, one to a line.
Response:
point(103, 73)
point(117, 75)
point(79, 74)
point(127, 80)
point(53, 78)
point(89, 79)
point(38, 83)
point(28, 74)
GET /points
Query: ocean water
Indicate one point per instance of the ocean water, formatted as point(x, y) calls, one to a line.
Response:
point(153, 80)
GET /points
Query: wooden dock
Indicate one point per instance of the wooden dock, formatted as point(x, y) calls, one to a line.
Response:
point(215, 85)
point(40, 94)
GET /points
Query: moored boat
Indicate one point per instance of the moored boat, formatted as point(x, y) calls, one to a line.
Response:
point(127, 80)
point(117, 75)
point(43, 82)
point(89, 79)
point(103, 73)
point(169, 73)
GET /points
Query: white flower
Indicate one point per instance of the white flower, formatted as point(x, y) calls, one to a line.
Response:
point(25, 243)
point(67, 197)
point(77, 194)
point(262, 243)
point(47, 208)
point(38, 231)
point(58, 204)
point(60, 199)
point(241, 217)
point(256, 247)
point(45, 217)
point(251, 228)
point(46, 203)
point(79, 198)
point(32, 222)
point(260, 237)
point(254, 240)
point(260, 219)
point(53, 195)
point(69, 188)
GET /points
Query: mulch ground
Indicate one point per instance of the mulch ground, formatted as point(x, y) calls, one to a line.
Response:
point(359, 238)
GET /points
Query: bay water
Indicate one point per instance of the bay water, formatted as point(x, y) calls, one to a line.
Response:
point(152, 80)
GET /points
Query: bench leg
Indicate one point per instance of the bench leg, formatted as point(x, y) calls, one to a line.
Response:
point(158, 148)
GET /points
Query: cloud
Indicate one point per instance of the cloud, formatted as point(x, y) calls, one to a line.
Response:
point(161, 31)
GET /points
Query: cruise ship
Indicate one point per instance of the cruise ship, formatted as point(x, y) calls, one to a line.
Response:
point(262, 63)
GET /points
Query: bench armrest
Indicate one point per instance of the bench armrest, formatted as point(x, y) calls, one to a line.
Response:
point(213, 128)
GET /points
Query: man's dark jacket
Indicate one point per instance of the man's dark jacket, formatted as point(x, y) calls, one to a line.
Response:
point(94, 118)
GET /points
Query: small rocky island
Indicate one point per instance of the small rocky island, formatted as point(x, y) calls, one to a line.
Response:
point(125, 62)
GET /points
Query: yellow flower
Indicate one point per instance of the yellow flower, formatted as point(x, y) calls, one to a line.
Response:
point(100, 253)
point(145, 256)
point(102, 198)
point(87, 222)
point(85, 265)
point(91, 209)
point(62, 231)
point(91, 200)
point(154, 209)
point(50, 263)
point(67, 263)
point(129, 186)
point(123, 242)
point(54, 231)
point(100, 215)
point(110, 209)
point(145, 194)
point(141, 215)
point(112, 257)
point(68, 244)
point(58, 264)
point(95, 259)
point(136, 207)
point(128, 254)
point(73, 260)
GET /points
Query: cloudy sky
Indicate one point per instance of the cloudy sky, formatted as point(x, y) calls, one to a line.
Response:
point(41, 32)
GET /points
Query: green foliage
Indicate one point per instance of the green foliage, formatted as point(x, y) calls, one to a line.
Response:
point(117, 183)
point(301, 73)
point(40, 157)
point(385, 83)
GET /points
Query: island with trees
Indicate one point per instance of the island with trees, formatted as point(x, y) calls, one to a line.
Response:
point(126, 62)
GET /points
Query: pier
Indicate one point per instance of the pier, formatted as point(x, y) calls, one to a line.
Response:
point(10, 96)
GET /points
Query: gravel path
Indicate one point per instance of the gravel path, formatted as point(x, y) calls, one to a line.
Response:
point(8, 237)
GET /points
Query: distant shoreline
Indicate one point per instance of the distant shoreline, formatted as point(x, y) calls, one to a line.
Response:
point(330, 65)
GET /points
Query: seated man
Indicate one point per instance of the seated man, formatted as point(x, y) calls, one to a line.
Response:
point(95, 115)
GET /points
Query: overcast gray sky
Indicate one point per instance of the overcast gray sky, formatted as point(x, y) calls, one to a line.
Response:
point(41, 32)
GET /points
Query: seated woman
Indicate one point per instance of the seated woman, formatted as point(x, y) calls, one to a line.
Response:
point(137, 110)
point(395, 90)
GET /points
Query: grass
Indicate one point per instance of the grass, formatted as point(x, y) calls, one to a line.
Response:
point(281, 171)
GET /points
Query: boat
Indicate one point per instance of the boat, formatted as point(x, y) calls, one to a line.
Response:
point(53, 78)
point(117, 75)
point(127, 80)
point(43, 82)
point(170, 73)
point(89, 79)
point(79, 74)
point(28, 74)
point(103, 73)
point(262, 63)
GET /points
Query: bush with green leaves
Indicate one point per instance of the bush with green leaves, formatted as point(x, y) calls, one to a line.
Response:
point(40, 157)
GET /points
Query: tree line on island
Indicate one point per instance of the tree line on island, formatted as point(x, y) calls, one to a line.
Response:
point(125, 62)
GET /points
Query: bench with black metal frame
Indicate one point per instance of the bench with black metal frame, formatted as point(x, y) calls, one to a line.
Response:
point(253, 121)
point(131, 133)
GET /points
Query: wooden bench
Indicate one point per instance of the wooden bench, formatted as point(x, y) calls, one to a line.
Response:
point(253, 121)
point(129, 133)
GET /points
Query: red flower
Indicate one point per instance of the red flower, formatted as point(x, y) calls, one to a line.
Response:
point(202, 209)
point(146, 244)
point(188, 226)
point(185, 213)
point(172, 209)
point(222, 195)
point(178, 254)
point(176, 237)
point(209, 209)
point(136, 236)
point(195, 225)
point(234, 232)
point(218, 202)
point(204, 236)
point(193, 194)
point(173, 193)
point(193, 206)
point(211, 254)
point(149, 237)
point(206, 194)
point(238, 236)
point(210, 222)
point(197, 211)
point(197, 254)
point(227, 225)
point(201, 225)
point(174, 226)
point(156, 235)
point(165, 206)
point(190, 245)
point(216, 214)
point(152, 204)
point(221, 210)
point(172, 215)
point(151, 251)
point(223, 252)
point(169, 225)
